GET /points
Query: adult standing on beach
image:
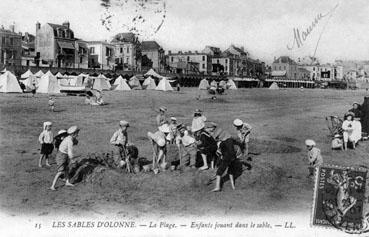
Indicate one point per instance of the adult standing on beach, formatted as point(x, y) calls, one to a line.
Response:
point(161, 117)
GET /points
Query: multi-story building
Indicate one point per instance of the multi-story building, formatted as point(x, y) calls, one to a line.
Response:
point(10, 47)
point(155, 53)
point(190, 62)
point(101, 55)
point(28, 50)
point(127, 51)
point(213, 51)
point(285, 68)
point(82, 52)
point(326, 72)
point(311, 64)
point(55, 45)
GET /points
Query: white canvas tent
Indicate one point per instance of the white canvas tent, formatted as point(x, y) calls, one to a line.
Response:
point(9, 83)
point(274, 86)
point(223, 84)
point(121, 84)
point(3, 71)
point(152, 73)
point(102, 76)
point(30, 82)
point(149, 83)
point(83, 75)
point(101, 84)
point(27, 74)
point(164, 85)
point(135, 83)
point(231, 85)
point(48, 84)
point(204, 84)
point(39, 74)
point(213, 83)
point(59, 74)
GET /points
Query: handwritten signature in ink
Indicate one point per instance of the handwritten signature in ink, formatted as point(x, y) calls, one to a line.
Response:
point(300, 38)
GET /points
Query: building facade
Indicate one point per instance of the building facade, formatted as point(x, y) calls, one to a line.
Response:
point(10, 47)
point(154, 52)
point(190, 62)
point(28, 50)
point(55, 45)
point(285, 68)
point(101, 55)
point(82, 54)
point(127, 51)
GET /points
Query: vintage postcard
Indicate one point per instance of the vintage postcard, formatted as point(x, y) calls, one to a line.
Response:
point(184, 118)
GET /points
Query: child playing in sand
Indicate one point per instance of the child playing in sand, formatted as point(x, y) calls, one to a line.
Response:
point(119, 141)
point(59, 138)
point(46, 139)
point(64, 155)
point(51, 104)
point(314, 156)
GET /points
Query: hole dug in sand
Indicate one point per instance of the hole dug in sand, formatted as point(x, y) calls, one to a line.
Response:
point(267, 146)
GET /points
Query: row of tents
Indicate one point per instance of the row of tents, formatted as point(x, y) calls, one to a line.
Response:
point(49, 83)
point(230, 84)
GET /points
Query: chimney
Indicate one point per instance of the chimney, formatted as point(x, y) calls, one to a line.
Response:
point(66, 24)
point(38, 26)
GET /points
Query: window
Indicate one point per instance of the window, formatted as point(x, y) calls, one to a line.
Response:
point(126, 60)
point(203, 58)
point(121, 50)
point(313, 68)
point(171, 59)
point(92, 50)
point(11, 41)
point(80, 59)
point(127, 49)
point(188, 58)
point(3, 40)
point(226, 68)
point(226, 61)
point(203, 65)
point(217, 61)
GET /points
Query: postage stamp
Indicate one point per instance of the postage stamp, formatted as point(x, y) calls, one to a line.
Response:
point(340, 199)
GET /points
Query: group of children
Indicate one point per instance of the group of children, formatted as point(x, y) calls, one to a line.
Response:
point(215, 145)
point(63, 142)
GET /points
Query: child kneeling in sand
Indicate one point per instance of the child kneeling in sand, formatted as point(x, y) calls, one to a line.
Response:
point(314, 156)
point(64, 155)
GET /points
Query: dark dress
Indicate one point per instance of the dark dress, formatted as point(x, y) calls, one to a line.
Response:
point(365, 115)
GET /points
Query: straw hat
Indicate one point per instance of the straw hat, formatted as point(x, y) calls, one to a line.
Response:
point(310, 142)
point(164, 109)
point(197, 127)
point(73, 129)
point(350, 114)
point(237, 122)
point(123, 123)
point(48, 123)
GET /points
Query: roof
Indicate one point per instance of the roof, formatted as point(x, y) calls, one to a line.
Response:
point(124, 37)
point(9, 32)
point(188, 53)
point(56, 26)
point(284, 59)
point(303, 70)
point(99, 42)
point(150, 45)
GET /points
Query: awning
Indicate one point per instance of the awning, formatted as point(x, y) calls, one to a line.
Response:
point(65, 45)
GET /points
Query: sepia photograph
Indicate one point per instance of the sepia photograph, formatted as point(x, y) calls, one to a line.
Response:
point(184, 118)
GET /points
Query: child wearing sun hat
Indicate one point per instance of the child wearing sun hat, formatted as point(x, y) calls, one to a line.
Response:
point(46, 140)
point(314, 156)
point(65, 155)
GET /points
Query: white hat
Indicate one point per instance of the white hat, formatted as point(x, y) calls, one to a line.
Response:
point(123, 123)
point(163, 109)
point(173, 118)
point(164, 128)
point(337, 136)
point(237, 122)
point(310, 142)
point(73, 129)
point(62, 131)
point(48, 123)
point(197, 126)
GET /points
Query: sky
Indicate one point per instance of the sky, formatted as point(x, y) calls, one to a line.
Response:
point(264, 28)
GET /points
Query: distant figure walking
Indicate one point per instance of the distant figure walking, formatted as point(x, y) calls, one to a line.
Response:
point(51, 104)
